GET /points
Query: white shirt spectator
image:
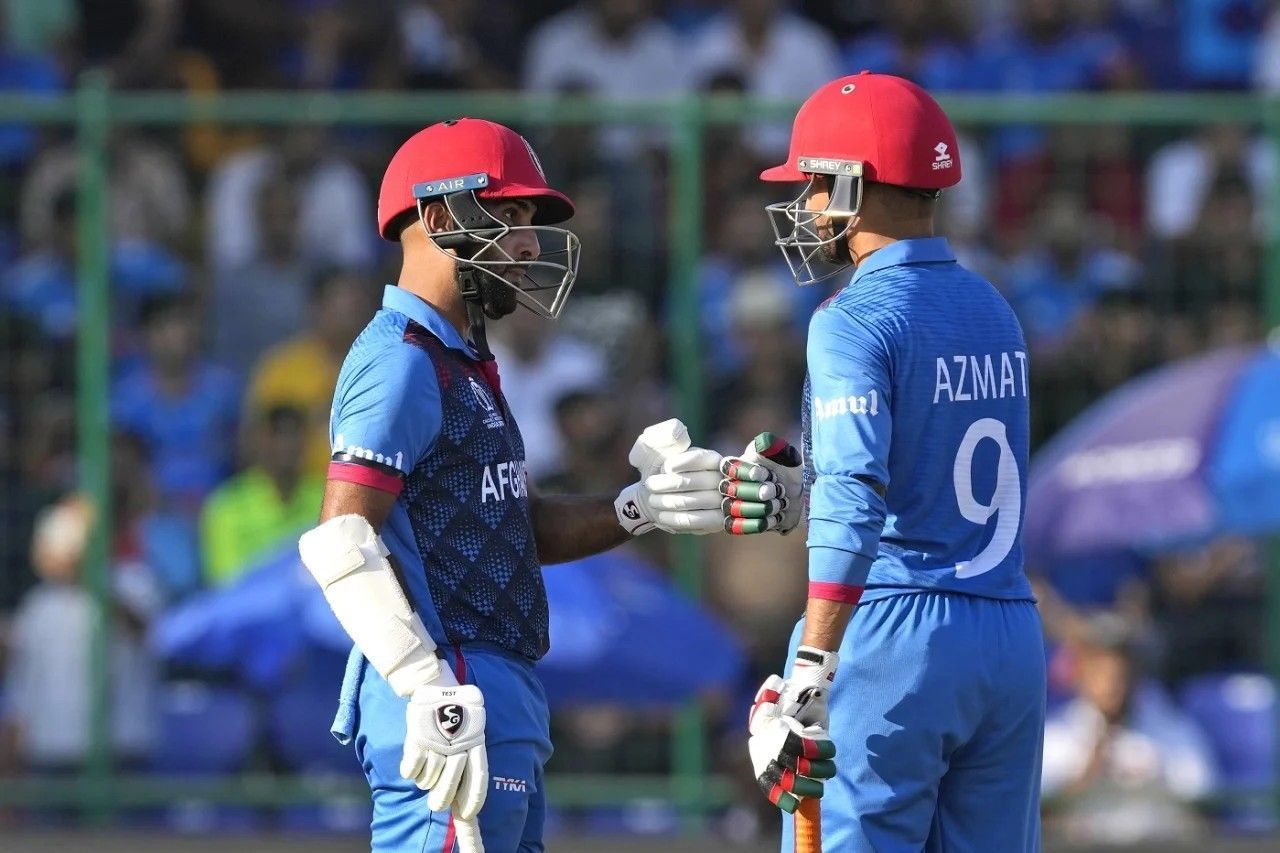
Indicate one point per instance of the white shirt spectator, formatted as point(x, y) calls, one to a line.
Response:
point(149, 198)
point(562, 365)
point(1266, 63)
point(572, 51)
point(47, 692)
point(1155, 764)
point(796, 57)
point(1181, 174)
point(335, 210)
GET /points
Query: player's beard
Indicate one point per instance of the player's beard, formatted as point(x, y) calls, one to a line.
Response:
point(497, 298)
point(835, 251)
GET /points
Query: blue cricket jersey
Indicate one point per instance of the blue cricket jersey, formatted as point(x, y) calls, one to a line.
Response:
point(916, 431)
point(417, 414)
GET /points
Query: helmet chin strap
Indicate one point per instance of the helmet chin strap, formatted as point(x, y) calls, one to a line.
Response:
point(469, 283)
point(469, 286)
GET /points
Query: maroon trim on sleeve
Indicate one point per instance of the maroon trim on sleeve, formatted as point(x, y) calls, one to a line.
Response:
point(841, 592)
point(353, 472)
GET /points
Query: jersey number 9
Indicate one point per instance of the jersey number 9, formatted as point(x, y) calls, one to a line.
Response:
point(1006, 500)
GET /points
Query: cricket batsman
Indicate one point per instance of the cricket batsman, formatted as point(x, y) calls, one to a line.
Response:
point(431, 539)
point(918, 666)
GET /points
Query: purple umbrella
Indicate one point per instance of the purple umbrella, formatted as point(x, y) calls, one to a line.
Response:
point(1187, 452)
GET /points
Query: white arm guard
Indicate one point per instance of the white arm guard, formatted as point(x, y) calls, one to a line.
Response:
point(350, 561)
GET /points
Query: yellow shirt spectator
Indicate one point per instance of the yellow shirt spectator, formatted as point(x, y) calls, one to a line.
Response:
point(247, 518)
point(300, 373)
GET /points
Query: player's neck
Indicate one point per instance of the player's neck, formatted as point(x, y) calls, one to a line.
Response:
point(440, 292)
point(865, 240)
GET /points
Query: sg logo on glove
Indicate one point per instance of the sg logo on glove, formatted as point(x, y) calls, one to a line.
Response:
point(449, 720)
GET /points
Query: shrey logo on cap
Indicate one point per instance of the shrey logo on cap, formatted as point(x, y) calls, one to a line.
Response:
point(943, 160)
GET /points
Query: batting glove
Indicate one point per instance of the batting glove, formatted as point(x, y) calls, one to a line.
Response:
point(763, 489)
point(679, 487)
point(791, 758)
point(444, 753)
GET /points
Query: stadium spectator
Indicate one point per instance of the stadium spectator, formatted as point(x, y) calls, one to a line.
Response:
point(452, 44)
point(146, 531)
point(1122, 764)
point(927, 42)
point(1220, 41)
point(265, 506)
point(741, 252)
point(778, 54)
point(1063, 274)
point(1181, 174)
point(149, 192)
point(27, 67)
point(182, 405)
point(539, 365)
point(274, 283)
point(332, 204)
point(768, 346)
point(1210, 603)
point(594, 461)
point(1216, 269)
point(131, 40)
point(47, 688)
point(301, 372)
point(40, 288)
point(617, 49)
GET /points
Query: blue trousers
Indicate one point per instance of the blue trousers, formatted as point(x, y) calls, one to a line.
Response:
point(937, 713)
point(516, 735)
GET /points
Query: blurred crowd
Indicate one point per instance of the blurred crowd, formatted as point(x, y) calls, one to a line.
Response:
point(245, 260)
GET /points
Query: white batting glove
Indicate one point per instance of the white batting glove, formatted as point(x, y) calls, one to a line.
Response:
point(679, 487)
point(444, 752)
point(791, 759)
point(763, 488)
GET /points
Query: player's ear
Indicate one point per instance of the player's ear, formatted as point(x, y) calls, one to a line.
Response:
point(437, 218)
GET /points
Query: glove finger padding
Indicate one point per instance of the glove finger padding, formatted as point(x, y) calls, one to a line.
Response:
point(751, 509)
point(749, 526)
point(442, 793)
point(684, 501)
point(747, 490)
point(467, 835)
point(413, 763)
point(692, 481)
point(699, 522)
point(474, 787)
point(693, 459)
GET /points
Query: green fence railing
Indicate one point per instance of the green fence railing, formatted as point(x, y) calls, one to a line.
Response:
point(94, 110)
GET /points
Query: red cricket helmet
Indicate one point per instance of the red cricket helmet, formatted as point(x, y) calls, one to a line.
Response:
point(460, 163)
point(463, 148)
point(873, 127)
point(888, 124)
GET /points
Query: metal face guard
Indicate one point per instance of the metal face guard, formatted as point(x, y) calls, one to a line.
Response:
point(795, 228)
point(543, 285)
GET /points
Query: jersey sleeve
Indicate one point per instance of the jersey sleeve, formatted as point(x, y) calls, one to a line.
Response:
point(850, 382)
point(386, 417)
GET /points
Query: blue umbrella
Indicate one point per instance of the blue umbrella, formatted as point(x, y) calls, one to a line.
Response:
point(1172, 458)
point(620, 632)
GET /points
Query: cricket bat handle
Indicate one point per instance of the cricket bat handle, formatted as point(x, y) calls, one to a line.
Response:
point(809, 826)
